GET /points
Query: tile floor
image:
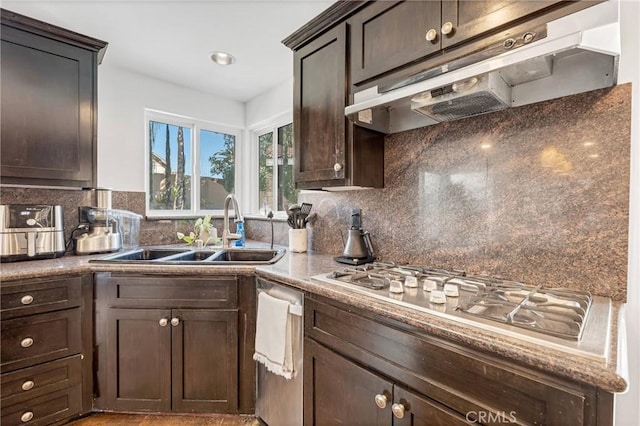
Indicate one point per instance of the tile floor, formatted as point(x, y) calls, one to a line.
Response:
point(112, 419)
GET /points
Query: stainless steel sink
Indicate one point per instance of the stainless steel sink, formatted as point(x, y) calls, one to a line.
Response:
point(247, 256)
point(143, 255)
point(186, 256)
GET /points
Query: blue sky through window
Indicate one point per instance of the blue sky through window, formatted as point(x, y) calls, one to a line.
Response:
point(210, 143)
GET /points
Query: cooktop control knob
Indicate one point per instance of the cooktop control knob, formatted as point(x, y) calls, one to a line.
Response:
point(451, 290)
point(429, 285)
point(395, 286)
point(438, 297)
point(410, 281)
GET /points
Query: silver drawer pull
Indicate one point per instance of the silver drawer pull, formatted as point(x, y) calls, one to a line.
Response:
point(26, 416)
point(26, 342)
point(28, 385)
point(26, 300)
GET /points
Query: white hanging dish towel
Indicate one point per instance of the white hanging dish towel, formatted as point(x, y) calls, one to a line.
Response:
point(273, 336)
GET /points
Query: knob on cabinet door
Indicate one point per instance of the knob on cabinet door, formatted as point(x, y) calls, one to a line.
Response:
point(337, 167)
point(447, 28)
point(381, 400)
point(431, 35)
point(28, 385)
point(398, 410)
point(175, 322)
point(163, 322)
point(26, 417)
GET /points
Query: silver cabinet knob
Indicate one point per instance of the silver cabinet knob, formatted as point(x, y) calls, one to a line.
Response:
point(27, 416)
point(398, 410)
point(431, 35)
point(26, 342)
point(26, 300)
point(447, 28)
point(381, 400)
point(163, 322)
point(175, 322)
point(337, 167)
point(28, 385)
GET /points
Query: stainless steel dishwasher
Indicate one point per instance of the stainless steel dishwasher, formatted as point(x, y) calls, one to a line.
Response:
point(279, 401)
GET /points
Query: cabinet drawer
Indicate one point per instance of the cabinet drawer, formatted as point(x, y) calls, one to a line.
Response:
point(41, 379)
point(39, 338)
point(460, 378)
point(45, 409)
point(148, 291)
point(36, 297)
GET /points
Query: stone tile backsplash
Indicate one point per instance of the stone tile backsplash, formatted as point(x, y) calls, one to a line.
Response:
point(538, 193)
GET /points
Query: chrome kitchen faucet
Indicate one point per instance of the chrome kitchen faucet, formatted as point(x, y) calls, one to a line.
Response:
point(226, 234)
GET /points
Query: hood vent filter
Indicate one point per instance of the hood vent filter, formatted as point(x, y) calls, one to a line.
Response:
point(475, 96)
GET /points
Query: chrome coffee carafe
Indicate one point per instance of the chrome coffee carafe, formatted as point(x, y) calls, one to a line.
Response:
point(358, 248)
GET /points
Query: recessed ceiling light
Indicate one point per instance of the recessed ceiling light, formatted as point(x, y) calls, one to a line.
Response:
point(223, 58)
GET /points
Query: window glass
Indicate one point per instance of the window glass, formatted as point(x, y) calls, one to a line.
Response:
point(265, 171)
point(170, 171)
point(287, 193)
point(217, 168)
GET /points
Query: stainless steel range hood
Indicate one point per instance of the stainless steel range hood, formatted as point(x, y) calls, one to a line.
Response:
point(579, 53)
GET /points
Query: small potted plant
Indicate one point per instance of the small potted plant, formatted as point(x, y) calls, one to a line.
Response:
point(202, 230)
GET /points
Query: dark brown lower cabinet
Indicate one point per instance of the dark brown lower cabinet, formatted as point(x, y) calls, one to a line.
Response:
point(205, 361)
point(345, 393)
point(175, 344)
point(363, 369)
point(182, 360)
point(139, 359)
point(46, 349)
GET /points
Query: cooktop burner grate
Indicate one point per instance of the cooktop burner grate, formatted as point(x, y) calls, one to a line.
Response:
point(556, 312)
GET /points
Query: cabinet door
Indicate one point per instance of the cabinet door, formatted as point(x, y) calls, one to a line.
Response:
point(409, 409)
point(138, 352)
point(387, 35)
point(471, 18)
point(337, 391)
point(320, 75)
point(205, 360)
point(47, 111)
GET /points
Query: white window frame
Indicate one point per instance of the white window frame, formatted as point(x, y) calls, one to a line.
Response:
point(267, 126)
point(195, 126)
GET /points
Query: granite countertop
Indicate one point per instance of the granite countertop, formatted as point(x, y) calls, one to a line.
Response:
point(295, 269)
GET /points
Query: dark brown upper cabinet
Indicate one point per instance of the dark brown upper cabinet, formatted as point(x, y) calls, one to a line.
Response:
point(49, 104)
point(329, 150)
point(417, 35)
point(387, 35)
point(319, 100)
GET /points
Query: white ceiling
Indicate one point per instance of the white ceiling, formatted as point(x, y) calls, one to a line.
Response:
point(172, 40)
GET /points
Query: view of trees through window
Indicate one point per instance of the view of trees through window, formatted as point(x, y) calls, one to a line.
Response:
point(217, 168)
point(276, 183)
point(171, 174)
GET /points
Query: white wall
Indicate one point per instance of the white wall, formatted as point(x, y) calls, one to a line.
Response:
point(273, 105)
point(628, 405)
point(270, 104)
point(122, 99)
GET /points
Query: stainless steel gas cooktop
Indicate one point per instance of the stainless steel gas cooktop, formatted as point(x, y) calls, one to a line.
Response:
point(572, 321)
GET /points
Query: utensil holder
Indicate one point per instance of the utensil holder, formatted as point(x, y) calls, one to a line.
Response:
point(298, 240)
